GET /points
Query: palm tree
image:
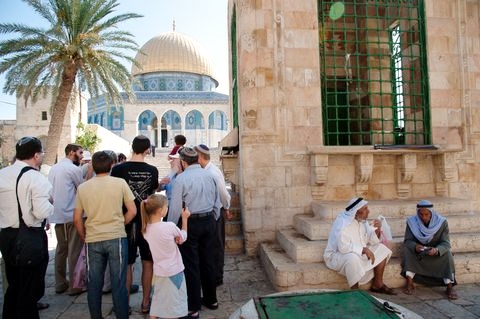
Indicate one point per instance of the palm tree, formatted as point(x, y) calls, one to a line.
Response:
point(81, 44)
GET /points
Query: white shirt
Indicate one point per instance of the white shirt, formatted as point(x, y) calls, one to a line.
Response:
point(33, 194)
point(65, 178)
point(221, 186)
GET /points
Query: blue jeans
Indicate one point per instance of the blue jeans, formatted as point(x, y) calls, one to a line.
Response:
point(116, 253)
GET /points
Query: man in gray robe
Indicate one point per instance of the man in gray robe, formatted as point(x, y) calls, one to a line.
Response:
point(427, 256)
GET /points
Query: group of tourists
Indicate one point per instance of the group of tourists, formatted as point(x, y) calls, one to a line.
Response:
point(111, 210)
point(354, 249)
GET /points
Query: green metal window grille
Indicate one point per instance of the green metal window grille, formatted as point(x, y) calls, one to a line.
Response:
point(374, 72)
point(233, 44)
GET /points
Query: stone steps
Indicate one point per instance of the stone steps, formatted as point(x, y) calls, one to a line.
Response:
point(302, 250)
point(317, 228)
point(286, 274)
point(295, 260)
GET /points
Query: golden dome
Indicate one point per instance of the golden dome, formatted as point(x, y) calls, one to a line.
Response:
point(172, 52)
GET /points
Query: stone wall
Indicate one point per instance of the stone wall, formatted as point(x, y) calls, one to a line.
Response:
point(281, 133)
point(7, 147)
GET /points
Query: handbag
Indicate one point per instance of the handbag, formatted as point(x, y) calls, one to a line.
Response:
point(80, 271)
point(30, 243)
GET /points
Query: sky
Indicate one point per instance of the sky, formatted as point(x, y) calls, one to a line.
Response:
point(203, 20)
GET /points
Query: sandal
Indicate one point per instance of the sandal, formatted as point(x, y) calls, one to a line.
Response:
point(383, 290)
point(451, 294)
point(409, 290)
point(145, 308)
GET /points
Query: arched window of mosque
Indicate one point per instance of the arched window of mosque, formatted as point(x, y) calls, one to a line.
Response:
point(90, 119)
point(145, 119)
point(95, 119)
point(172, 119)
point(194, 120)
point(217, 120)
point(116, 123)
point(104, 120)
point(197, 86)
point(145, 85)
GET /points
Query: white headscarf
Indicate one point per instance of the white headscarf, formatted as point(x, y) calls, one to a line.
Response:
point(343, 220)
point(423, 233)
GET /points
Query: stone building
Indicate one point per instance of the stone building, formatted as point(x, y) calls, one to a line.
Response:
point(174, 87)
point(33, 119)
point(336, 99)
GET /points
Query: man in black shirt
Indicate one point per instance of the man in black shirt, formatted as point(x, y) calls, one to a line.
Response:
point(143, 181)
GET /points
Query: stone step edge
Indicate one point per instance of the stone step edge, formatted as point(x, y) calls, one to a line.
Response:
point(296, 245)
point(306, 224)
point(287, 275)
point(393, 208)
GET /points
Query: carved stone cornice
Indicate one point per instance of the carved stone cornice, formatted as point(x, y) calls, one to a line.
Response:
point(407, 164)
point(445, 165)
point(319, 164)
point(364, 167)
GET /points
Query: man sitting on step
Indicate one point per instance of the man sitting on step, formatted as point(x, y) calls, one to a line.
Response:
point(427, 255)
point(354, 248)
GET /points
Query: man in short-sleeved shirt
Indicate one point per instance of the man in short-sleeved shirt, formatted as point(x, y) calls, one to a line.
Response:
point(101, 199)
point(142, 178)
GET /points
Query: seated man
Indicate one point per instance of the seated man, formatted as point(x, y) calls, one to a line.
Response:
point(354, 248)
point(427, 257)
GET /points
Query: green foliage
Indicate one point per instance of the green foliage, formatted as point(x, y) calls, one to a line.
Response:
point(82, 40)
point(87, 138)
point(82, 45)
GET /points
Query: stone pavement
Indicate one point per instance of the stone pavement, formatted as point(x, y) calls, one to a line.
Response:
point(245, 279)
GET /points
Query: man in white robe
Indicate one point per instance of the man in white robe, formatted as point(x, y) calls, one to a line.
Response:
point(354, 248)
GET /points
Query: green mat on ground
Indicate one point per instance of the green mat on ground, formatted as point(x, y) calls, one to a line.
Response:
point(335, 304)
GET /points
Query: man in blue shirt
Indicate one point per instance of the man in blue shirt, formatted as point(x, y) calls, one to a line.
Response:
point(195, 188)
point(65, 176)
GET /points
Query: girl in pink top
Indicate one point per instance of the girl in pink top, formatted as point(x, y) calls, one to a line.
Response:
point(169, 289)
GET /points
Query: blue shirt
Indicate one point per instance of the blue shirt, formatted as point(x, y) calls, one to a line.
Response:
point(196, 187)
point(65, 178)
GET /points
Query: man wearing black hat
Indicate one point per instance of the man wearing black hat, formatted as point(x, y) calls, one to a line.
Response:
point(195, 188)
point(26, 283)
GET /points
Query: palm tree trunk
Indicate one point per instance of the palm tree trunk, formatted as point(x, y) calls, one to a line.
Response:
point(58, 113)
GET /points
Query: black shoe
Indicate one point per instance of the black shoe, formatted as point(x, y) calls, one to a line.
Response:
point(219, 282)
point(213, 306)
point(42, 305)
point(134, 289)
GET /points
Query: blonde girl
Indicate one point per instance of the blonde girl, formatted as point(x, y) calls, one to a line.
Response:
point(169, 289)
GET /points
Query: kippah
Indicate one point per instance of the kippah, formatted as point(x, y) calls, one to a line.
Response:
point(187, 152)
point(202, 148)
